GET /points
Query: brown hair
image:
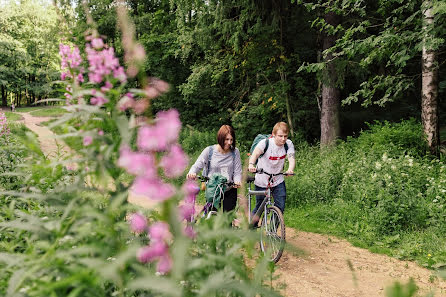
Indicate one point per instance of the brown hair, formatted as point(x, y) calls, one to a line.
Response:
point(281, 126)
point(222, 133)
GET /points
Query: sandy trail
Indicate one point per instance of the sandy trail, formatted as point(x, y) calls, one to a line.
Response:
point(318, 264)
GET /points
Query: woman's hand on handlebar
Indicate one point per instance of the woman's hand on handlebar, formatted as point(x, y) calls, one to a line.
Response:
point(191, 176)
point(237, 185)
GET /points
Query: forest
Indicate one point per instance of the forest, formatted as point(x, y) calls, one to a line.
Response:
point(131, 92)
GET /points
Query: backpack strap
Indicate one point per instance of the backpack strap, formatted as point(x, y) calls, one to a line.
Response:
point(233, 163)
point(266, 147)
point(286, 147)
point(211, 151)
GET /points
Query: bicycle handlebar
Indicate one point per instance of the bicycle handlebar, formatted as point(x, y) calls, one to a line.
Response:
point(205, 179)
point(260, 170)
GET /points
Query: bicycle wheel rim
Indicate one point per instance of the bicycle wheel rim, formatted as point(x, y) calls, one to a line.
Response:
point(272, 234)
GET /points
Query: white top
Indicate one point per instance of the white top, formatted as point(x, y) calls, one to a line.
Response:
point(272, 161)
point(224, 164)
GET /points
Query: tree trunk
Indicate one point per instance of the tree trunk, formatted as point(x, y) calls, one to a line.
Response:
point(330, 105)
point(429, 87)
point(4, 97)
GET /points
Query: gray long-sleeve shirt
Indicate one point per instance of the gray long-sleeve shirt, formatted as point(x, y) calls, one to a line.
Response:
point(223, 164)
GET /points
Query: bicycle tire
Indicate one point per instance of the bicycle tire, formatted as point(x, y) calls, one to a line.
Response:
point(272, 235)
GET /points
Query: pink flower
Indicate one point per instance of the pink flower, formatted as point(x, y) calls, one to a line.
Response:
point(101, 133)
point(160, 85)
point(164, 264)
point(141, 164)
point(151, 92)
point(187, 211)
point(190, 232)
point(153, 188)
point(80, 77)
point(88, 140)
point(175, 162)
point(138, 223)
point(97, 43)
point(63, 75)
point(190, 190)
point(169, 122)
point(106, 87)
point(140, 106)
point(159, 231)
point(126, 102)
point(150, 138)
point(99, 101)
point(152, 252)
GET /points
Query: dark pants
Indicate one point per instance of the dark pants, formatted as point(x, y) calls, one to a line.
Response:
point(230, 199)
point(279, 194)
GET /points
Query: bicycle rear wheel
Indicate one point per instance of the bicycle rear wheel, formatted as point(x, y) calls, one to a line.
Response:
point(272, 233)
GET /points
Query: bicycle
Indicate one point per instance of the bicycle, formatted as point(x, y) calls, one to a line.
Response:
point(208, 209)
point(272, 225)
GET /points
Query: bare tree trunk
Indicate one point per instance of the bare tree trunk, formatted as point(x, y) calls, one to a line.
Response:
point(330, 127)
point(429, 88)
point(4, 96)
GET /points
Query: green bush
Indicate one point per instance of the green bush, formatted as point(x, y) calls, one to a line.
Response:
point(379, 188)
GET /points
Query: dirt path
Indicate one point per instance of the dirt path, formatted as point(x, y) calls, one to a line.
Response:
point(318, 265)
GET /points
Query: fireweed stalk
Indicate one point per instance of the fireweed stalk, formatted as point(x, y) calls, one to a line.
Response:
point(156, 142)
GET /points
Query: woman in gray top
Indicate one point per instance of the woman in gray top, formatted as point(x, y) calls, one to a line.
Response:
point(225, 160)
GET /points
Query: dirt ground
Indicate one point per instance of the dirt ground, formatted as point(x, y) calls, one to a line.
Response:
point(315, 265)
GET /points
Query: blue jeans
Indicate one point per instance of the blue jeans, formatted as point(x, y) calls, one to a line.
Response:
point(279, 194)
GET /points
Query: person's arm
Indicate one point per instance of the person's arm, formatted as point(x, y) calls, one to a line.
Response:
point(291, 164)
point(199, 164)
point(237, 169)
point(291, 158)
point(253, 158)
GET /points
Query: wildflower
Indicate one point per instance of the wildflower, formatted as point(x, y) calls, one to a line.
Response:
point(153, 188)
point(175, 162)
point(138, 223)
point(152, 252)
point(99, 101)
point(159, 231)
point(151, 138)
point(189, 231)
point(97, 43)
point(87, 140)
point(141, 164)
point(164, 264)
point(169, 122)
point(187, 211)
point(378, 165)
point(140, 106)
point(126, 102)
point(101, 133)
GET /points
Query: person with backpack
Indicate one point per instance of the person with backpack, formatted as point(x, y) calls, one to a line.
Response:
point(222, 158)
point(269, 154)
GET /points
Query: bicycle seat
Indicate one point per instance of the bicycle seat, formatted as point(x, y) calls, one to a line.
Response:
point(250, 179)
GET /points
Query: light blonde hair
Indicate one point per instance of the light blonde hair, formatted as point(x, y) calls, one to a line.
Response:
point(281, 126)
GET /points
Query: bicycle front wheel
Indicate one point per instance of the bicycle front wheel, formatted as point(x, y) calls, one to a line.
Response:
point(272, 233)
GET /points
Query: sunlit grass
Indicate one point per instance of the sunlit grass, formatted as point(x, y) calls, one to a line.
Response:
point(12, 116)
point(49, 112)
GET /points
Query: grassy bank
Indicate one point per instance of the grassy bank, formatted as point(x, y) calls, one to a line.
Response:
point(381, 191)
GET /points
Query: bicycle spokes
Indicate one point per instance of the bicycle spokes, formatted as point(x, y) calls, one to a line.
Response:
point(272, 237)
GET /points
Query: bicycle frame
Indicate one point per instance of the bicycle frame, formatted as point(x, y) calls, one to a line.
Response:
point(266, 201)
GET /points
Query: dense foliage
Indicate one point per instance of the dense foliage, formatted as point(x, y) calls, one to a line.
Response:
point(380, 190)
point(28, 51)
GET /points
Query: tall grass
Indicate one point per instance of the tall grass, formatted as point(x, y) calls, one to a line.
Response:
point(381, 189)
